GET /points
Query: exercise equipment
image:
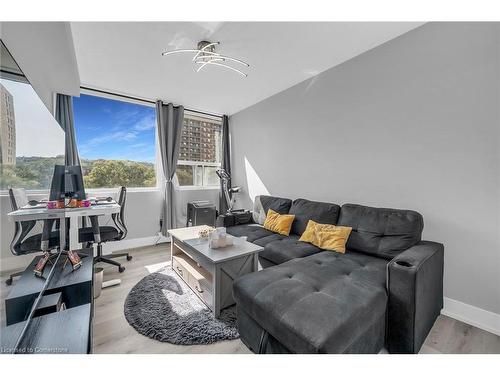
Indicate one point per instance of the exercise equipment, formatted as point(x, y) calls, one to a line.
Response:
point(228, 192)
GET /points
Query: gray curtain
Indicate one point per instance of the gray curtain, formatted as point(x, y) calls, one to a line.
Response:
point(64, 116)
point(226, 161)
point(169, 120)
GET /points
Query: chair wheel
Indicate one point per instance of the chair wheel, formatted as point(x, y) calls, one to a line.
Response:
point(129, 257)
point(121, 269)
point(8, 282)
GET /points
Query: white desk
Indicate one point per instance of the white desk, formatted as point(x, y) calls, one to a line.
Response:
point(73, 214)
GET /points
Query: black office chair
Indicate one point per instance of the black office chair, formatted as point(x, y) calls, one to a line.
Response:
point(99, 234)
point(22, 244)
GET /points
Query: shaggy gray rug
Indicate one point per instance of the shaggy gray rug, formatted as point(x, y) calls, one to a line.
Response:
point(161, 306)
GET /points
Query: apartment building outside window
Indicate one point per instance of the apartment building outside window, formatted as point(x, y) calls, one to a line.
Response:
point(7, 128)
point(200, 151)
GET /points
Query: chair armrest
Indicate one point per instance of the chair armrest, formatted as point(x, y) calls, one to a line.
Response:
point(415, 288)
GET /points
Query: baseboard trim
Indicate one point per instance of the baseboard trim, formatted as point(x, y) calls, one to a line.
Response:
point(475, 316)
point(109, 247)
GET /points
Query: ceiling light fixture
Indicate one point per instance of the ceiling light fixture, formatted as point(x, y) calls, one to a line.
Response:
point(206, 55)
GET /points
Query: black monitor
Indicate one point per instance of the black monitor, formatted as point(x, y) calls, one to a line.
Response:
point(67, 181)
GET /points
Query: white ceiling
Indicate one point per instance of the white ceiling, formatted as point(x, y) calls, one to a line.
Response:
point(44, 51)
point(126, 57)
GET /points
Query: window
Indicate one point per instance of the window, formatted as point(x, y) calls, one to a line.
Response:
point(116, 142)
point(200, 151)
point(26, 159)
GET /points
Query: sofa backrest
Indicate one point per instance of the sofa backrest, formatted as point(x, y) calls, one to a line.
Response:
point(305, 210)
point(382, 232)
point(263, 203)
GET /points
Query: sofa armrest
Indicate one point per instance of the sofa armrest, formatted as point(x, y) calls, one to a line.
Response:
point(415, 288)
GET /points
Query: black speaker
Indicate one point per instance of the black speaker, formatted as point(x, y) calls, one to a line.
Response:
point(235, 218)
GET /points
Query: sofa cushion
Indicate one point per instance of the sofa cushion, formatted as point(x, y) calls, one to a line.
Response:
point(280, 205)
point(383, 232)
point(305, 210)
point(285, 248)
point(324, 303)
point(268, 239)
point(252, 231)
point(263, 203)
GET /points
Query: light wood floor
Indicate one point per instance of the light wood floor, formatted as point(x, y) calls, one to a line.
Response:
point(112, 333)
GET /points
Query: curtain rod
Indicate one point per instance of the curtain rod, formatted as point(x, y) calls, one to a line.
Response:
point(143, 100)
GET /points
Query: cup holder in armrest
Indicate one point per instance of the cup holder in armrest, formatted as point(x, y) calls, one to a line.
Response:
point(403, 263)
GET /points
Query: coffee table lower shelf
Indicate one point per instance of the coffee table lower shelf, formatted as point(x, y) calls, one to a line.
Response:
point(195, 276)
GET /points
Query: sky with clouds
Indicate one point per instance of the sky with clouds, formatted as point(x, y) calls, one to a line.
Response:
point(111, 129)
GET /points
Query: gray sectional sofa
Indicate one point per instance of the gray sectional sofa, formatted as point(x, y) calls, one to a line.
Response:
point(385, 291)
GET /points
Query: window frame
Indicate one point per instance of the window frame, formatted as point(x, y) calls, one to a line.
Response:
point(160, 180)
point(200, 116)
point(196, 187)
point(157, 162)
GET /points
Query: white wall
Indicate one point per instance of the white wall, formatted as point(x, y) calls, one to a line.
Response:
point(143, 212)
point(413, 124)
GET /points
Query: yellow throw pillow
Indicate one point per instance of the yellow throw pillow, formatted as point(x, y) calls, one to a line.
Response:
point(278, 223)
point(326, 236)
point(309, 233)
point(332, 237)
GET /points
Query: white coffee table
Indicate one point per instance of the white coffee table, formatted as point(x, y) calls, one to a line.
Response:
point(210, 272)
